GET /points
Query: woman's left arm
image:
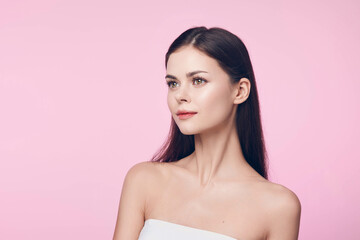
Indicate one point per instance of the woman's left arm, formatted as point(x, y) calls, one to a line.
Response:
point(285, 216)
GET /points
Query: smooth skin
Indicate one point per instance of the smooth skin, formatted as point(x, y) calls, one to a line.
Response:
point(214, 188)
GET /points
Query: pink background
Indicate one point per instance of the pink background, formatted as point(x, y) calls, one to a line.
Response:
point(83, 98)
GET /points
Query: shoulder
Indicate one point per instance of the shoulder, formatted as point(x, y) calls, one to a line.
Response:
point(274, 196)
point(144, 171)
point(141, 168)
point(283, 209)
point(145, 174)
point(278, 198)
point(139, 180)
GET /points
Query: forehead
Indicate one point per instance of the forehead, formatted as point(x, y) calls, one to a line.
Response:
point(187, 59)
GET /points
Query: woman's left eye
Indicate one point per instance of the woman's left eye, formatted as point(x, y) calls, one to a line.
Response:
point(198, 81)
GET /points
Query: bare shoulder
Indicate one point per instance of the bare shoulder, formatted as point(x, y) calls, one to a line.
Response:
point(145, 171)
point(281, 198)
point(277, 198)
point(283, 210)
point(148, 174)
point(142, 168)
point(133, 200)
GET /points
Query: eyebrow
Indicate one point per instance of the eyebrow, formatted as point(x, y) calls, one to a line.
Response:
point(190, 74)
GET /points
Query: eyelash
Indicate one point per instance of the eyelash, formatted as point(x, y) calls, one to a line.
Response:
point(194, 79)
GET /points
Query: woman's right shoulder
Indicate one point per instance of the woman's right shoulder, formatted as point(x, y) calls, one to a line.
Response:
point(141, 180)
point(147, 172)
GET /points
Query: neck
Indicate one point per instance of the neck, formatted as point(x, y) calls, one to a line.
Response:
point(218, 155)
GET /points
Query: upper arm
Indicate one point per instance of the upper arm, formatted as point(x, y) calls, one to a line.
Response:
point(130, 219)
point(285, 216)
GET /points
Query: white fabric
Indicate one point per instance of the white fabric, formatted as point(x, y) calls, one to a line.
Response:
point(155, 229)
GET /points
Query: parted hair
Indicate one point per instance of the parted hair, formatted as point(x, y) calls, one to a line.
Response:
point(231, 54)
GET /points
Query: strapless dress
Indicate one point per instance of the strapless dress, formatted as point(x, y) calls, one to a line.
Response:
point(155, 229)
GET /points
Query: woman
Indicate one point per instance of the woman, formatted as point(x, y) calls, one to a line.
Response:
point(209, 180)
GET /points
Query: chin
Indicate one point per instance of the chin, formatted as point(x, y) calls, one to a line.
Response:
point(192, 130)
point(187, 132)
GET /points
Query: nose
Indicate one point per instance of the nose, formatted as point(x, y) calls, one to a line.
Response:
point(182, 94)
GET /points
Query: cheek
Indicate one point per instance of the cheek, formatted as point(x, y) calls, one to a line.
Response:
point(170, 102)
point(216, 102)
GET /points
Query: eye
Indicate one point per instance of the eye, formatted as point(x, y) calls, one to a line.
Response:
point(199, 81)
point(171, 84)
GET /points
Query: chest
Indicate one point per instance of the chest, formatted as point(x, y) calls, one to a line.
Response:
point(225, 209)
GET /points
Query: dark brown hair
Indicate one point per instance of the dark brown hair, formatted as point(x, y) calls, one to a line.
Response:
point(232, 55)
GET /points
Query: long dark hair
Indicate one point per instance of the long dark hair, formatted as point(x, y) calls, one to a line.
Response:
point(232, 55)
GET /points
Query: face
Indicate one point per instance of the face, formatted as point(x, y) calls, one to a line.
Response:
point(197, 84)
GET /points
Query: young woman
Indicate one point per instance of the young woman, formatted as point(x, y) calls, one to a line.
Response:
point(209, 180)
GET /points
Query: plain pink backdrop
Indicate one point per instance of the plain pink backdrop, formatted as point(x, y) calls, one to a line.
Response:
point(83, 98)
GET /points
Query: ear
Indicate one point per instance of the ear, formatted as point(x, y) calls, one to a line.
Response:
point(242, 90)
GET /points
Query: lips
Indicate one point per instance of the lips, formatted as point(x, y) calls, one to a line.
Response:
point(185, 114)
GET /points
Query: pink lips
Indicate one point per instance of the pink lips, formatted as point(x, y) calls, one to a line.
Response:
point(185, 114)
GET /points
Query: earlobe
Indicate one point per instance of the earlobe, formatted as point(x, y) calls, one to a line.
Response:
point(242, 90)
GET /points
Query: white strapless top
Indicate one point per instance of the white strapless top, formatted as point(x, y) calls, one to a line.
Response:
point(155, 229)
